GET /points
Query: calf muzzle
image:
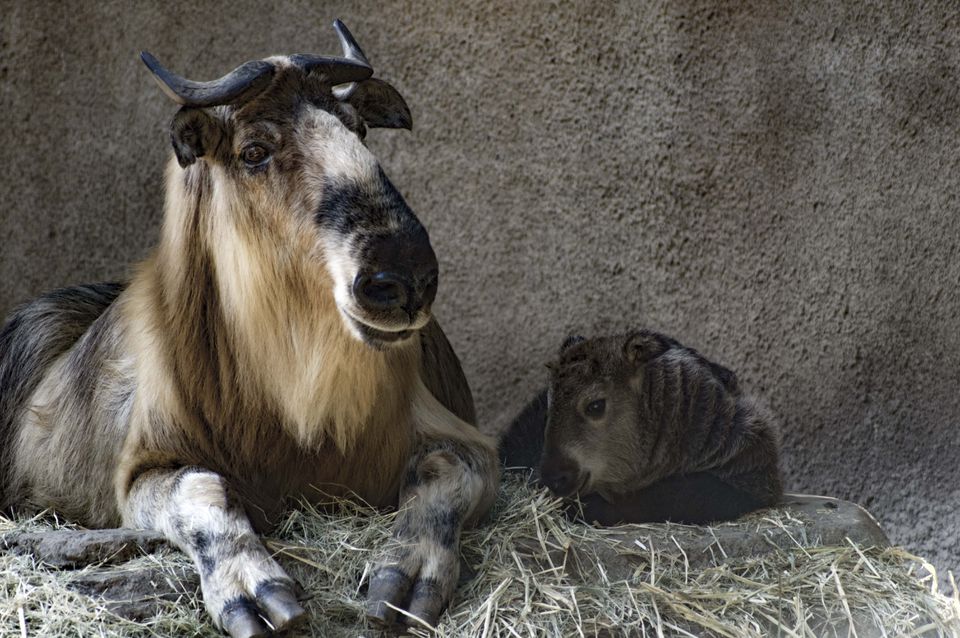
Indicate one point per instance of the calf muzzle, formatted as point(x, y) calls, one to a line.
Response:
point(561, 475)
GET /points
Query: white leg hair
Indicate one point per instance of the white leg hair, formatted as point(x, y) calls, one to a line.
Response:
point(244, 589)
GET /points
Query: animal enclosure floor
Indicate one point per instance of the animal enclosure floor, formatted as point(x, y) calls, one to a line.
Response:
point(531, 573)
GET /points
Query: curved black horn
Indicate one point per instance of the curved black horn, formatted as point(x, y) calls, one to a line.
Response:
point(242, 83)
point(350, 47)
point(337, 70)
point(352, 51)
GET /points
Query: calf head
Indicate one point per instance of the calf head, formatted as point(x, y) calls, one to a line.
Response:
point(278, 144)
point(595, 438)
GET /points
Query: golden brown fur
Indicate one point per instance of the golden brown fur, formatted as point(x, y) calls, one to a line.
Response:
point(236, 369)
point(330, 394)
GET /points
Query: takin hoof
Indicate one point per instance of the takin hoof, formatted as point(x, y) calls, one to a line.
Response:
point(388, 589)
point(426, 603)
point(275, 601)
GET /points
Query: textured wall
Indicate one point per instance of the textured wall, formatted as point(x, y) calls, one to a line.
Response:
point(776, 188)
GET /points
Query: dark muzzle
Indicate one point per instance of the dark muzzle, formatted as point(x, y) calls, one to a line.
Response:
point(560, 474)
point(400, 274)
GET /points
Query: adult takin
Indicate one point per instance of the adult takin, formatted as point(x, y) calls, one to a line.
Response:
point(278, 343)
point(642, 429)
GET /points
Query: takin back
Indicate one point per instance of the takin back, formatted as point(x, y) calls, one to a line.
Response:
point(278, 343)
point(643, 429)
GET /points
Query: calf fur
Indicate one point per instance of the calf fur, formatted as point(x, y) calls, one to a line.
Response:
point(638, 428)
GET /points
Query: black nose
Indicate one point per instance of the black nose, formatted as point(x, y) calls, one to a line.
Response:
point(400, 273)
point(560, 483)
point(386, 290)
point(559, 476)
point(381, 290)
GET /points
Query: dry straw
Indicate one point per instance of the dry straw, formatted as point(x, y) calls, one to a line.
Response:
point(537, 574)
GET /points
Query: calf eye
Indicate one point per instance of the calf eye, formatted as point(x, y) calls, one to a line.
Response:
point(596, 408)
point(254, 155)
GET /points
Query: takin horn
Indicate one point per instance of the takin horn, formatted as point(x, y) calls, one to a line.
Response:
point(351, 51)
point(250, 78)
point(243, 82)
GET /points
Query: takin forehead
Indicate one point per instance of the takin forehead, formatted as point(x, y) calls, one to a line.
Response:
point(299, 113)
point(589, 361)
point(290, 90)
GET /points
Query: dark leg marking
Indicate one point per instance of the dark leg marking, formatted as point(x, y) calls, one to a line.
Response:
point(201, 543)
point(443, 523)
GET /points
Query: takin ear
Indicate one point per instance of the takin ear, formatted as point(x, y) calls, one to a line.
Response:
point(194, 133)
point(380, 105)
point(643, 345)
point(572, 340)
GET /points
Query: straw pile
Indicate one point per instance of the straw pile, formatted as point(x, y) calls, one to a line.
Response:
point(534, 574)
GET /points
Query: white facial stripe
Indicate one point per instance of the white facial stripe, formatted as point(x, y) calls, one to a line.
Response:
point(344, 158)
point(343, 269)
point(344, 155)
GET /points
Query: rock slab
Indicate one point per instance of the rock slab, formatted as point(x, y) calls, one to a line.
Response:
point(68, 549)
point(138, 593)
point(811, 521)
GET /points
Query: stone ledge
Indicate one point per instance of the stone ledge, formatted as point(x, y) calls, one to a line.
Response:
point(136, 594)
point(812, 521)
point(68, 549)
point(802, 522)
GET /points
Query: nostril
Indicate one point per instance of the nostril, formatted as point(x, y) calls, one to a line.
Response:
point(384, 292)
point(559, 482)
point(380, 291)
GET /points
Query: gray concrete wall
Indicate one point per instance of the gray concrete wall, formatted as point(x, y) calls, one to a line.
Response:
point(777, 188)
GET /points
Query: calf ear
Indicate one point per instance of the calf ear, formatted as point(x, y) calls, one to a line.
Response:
point(643, 345)
point(726, 376)
point(194, 133)
point(380, 105)
point(572, 340)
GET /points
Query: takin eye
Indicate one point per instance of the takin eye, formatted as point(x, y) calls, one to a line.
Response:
point(255, 155)
point(595, 409)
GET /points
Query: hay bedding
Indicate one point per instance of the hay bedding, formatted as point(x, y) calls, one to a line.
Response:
point(535, 574)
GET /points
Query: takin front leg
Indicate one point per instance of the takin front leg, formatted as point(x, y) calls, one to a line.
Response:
point(244, 589)
point(451, 482)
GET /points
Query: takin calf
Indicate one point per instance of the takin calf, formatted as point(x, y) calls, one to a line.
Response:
point(277, 344)
point(643, 429)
